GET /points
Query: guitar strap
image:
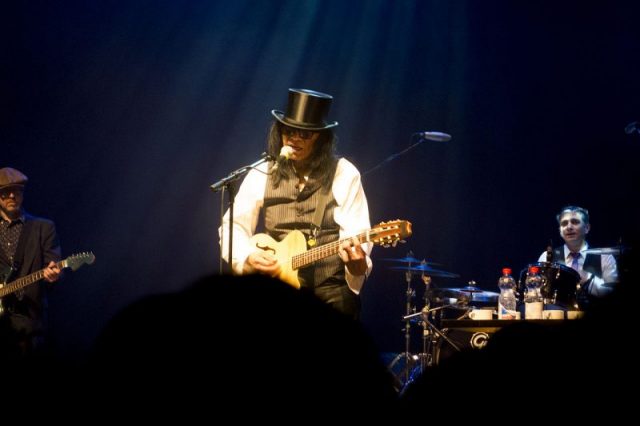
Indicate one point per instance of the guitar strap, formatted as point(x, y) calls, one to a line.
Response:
point(323, 200)
point(316, 225)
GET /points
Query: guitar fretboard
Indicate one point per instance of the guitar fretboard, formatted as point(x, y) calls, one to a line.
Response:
point(26, 280)
point(303, 259)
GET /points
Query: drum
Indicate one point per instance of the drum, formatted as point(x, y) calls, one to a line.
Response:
point(461, 339)
point(559, 284)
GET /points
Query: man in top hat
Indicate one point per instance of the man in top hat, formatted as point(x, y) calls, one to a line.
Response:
point(27, 244)
point(306, 189)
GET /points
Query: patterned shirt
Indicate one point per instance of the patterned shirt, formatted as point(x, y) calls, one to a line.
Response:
point(9, 235)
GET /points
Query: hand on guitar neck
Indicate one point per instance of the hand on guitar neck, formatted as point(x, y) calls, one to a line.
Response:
point(353, 256)
point(51, 272)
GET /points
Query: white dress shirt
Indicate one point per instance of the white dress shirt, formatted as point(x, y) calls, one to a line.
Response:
point(607, 263)
point(351, 214)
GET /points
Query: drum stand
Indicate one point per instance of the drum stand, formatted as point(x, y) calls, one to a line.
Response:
point(430, 335)
point(409, 358)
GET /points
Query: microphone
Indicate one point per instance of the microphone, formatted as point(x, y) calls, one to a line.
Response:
point(549, 253)
point(285, 153)
point(632, 127)
point(435, 136)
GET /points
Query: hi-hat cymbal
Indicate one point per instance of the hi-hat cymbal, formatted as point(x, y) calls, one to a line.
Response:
point(605, 250)
point(426, 270)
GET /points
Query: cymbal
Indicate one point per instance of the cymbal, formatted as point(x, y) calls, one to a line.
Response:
point(468, 289)
point(443, 292)
point(476, 294)
point(426, 270)
point(605, 250)
point(484, 296)
point(407, 259)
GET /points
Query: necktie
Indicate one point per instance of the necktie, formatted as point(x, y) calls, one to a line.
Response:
point(574, 260)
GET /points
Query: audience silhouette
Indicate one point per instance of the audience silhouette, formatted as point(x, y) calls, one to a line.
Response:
point(248, 347)
point(227, 342)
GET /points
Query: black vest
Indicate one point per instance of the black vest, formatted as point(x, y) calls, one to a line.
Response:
point(592, 262)
point(287, 209)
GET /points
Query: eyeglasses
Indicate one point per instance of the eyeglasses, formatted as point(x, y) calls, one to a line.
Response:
point(6, 193)
point(302, 134)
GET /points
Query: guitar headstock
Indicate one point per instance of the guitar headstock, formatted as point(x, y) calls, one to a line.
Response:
point(77, 260)
point(390, 233)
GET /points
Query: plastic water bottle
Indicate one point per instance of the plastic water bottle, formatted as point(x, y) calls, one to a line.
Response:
point(507, 299)
point(533, 301)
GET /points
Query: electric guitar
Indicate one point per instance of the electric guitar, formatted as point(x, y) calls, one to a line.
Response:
point(292, 253)
point(73, 262)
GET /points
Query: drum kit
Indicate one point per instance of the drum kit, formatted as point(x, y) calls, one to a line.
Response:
point(561, 286)
point(406, 366)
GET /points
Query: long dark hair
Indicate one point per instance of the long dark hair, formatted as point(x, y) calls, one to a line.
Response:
point(322, 161)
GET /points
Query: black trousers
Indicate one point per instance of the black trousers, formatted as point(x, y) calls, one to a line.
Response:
point(340, 297)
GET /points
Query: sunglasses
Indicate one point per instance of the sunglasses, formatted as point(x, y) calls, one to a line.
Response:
point(303, 134)
point(7, 192)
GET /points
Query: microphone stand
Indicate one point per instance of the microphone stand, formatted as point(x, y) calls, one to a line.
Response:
point(422, 137)
point(226, 183)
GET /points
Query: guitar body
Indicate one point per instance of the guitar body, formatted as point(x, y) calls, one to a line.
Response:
point(293, 244)
point(292, 253)
point(5, 274)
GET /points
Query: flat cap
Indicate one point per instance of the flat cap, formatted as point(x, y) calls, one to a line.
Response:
point(12, 177)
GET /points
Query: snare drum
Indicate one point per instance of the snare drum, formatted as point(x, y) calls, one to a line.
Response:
point(559, 283)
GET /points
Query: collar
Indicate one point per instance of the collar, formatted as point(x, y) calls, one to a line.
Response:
point(20, 219)
point(584, 247)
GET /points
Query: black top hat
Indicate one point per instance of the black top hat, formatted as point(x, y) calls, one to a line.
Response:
point(306, 109)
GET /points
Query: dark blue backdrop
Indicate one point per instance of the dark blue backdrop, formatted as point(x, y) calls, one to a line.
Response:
point(122, 113)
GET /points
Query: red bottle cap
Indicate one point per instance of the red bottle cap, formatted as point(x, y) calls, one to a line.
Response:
point(534, 269)
point(506, 271)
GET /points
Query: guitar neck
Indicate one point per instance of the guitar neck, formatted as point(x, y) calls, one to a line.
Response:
point(26, 280)
point(308, 257)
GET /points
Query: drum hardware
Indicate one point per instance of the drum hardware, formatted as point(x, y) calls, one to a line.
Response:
point(407, 356)
point(429, 329)
point(415, 364)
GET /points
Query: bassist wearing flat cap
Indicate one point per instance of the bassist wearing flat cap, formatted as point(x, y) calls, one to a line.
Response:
point(28, 245)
